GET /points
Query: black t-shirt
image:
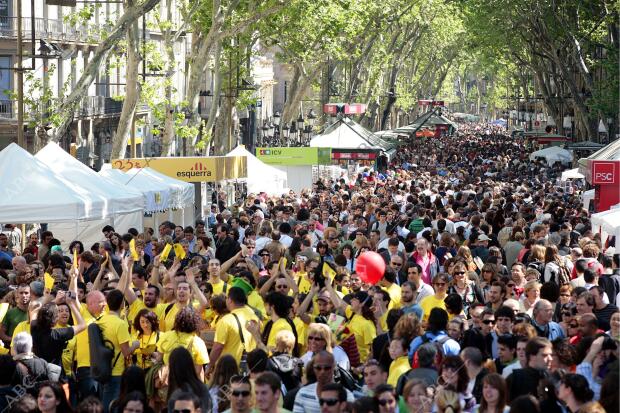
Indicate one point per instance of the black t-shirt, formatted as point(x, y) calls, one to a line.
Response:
point(49, 345)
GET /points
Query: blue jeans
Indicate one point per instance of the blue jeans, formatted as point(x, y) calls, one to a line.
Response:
point(110, 392)
point(85, 384)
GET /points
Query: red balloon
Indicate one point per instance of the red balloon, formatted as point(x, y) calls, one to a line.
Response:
point(370, 266)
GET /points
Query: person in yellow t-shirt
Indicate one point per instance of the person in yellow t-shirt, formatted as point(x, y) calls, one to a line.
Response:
point(361, 323)
point(440, 284)
point(380, 307)
point(400, 365)
point(145, 337)
point(184, 334)
point(301, 275)
point(278, 308)
point(219, 286)
point(115, 330)
point(184, 291)
point(388, 283)
point(227, 333)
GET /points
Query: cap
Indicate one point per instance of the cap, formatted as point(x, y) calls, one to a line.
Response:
point(324, 296)
point(362, 296)
point(56, 248)
point(483, 237)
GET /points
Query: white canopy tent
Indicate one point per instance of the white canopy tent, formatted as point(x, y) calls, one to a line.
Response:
point(571, 174)
point(552, 155)
point(125, 205)
point(607, 222)
point(261, 177)
point(31, 192)
point(181, 210)
point(587, 197)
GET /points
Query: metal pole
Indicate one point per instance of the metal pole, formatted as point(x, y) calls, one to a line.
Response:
point(20, 79)
point(133, 136)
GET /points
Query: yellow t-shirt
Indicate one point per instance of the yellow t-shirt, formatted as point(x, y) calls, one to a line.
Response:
point(365, 332)
point(166, 320)
point(82, 352)
point(116, 330)
point(303, 284)
point(148, 344)
point(302, 332)
point(170, 340)
point(279, 325)
point(256, 301)
point(138, 305)
point(430, 302)
point(227, 332)
point(394, 292)
point(398, 367)
point(218, 287)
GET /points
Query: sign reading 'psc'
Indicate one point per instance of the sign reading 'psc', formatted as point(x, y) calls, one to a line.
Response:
point(604, 173)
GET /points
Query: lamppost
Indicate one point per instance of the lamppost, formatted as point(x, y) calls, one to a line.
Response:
point(293, 132)
point(265, 134)
point(285, 134)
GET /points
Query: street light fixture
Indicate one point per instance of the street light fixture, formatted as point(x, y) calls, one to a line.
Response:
point(276, 118)
point(300, 122)
point(311, 117)
point(285, 132)
point(265, 130)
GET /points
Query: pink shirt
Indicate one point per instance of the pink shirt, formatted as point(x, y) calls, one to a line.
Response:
point(425, 263)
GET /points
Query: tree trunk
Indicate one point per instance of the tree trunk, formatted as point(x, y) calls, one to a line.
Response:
point(68, 106)
point(132, 92)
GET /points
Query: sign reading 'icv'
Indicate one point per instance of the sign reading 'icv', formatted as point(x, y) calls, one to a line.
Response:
point(294, 156)
point(191, 169)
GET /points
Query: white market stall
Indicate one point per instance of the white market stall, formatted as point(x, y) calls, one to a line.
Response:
point(124, 206)
point(31, 192)
point(571, 174)
point(607, 223)
point(182, 197)
point(158, 195)
point(261, 177)
point(587, 197)
point(552, 155)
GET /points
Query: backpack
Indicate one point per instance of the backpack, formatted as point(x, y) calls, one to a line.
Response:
point(289, 369)
point(346, 379)
point(438, 343)
point(563, 276)
point(102, 359)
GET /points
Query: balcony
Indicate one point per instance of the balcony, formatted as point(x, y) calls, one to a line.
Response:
point(50, 29)
point(7, 110)
point(101, 106)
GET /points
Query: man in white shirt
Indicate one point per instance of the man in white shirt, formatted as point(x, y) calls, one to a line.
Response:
point(414, 272)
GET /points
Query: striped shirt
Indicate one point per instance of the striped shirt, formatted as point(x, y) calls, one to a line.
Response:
point(307, 401)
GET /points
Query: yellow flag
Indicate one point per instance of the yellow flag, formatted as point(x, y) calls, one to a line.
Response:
point(75, 258)
point(165, 252)
point(179, 251)
point(328, 271)
point(49, 281)
point(132, 250)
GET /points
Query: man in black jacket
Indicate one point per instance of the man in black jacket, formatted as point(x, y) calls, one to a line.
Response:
point(225, 246)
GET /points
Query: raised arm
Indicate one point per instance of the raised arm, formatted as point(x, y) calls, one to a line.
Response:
point(302, 310)
point(190, 277)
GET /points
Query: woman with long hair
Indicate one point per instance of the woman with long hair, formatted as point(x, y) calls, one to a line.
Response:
point(530, 296)
point(349, 254)
point(145, 337)
point(447, 401)
point(203, 247)
point(183, 334)
point(117, 245)
point(132, 381)
point(362, 323)
point(183, 376)
point(51, 398)
point(465, 254)
point(225, 368)
point(416, 397)
point(553, 262)
point(494, 395)
point(49, 341)
point(134, 402)
point(319, 338)
point(575, 391)
point(461, 285)
point(453, 376)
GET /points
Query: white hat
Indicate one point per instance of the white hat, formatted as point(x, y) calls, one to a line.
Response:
point(483, 237)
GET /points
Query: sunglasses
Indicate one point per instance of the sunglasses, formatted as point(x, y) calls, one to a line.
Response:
point(281, 286)
point(398, 264)
point(573, 325)
point(440, 284)
point(385, 402)
point(567, 314)
point(323, 368)
point(182, 411)
point(265, 255)
point(242, 393)
point(459, 272)
point(488, 321)
point(315, 338)
point(329, 402)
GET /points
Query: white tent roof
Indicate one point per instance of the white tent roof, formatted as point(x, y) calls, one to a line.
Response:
point(157, 194)
point(182, 193)
point(341, 136)
point(119, 199)
point(31, 192)
point(608, 222)
point(261, 177)
point(572, 174)
point(553, 154)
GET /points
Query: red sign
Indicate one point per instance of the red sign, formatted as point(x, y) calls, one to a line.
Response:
point(354, 155)
point(603, 173)
point(346, 108)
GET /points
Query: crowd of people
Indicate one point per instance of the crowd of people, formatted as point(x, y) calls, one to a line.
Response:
point(496, 296)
